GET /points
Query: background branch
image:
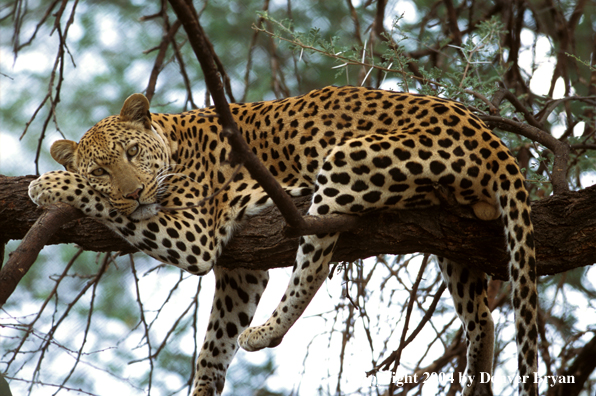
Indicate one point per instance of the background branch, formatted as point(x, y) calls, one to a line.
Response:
point(560, 149)
point(241, 153)
point(581, 368)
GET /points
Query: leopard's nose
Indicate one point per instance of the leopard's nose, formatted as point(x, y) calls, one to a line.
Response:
point(135, 194)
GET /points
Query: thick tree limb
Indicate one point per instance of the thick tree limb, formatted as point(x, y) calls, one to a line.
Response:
point(565, 228)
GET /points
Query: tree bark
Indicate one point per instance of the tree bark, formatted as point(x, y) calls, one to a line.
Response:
point(565, 233)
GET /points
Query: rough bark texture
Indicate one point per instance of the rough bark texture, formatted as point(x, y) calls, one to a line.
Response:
point(565, 233)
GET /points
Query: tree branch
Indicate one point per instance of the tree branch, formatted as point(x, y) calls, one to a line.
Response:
point(560, 149)
point(241, 153)
point(565, 233)
point(24, 256)
point(581, 368)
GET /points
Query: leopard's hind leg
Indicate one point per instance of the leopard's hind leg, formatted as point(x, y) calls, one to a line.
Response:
point(310, 270)
point(468, 288)
point(237, 293)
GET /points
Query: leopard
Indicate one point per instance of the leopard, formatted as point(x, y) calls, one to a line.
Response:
point(163, 182)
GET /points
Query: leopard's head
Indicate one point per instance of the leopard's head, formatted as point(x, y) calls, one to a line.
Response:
point(122, 156)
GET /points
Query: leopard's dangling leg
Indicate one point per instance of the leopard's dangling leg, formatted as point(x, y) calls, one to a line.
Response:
point(237, 293)
point(468, 288)
point(310, 270)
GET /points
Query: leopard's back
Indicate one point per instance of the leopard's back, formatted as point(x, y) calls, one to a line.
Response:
point(397, 144)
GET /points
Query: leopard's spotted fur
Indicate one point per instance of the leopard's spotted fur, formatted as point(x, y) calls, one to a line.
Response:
point(354, 149)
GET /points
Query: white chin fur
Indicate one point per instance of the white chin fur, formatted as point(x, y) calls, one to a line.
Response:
point(145, 212)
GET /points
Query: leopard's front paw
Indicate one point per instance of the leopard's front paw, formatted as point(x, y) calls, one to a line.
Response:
point(51, 187)
point(257, 338)
point(69, 188)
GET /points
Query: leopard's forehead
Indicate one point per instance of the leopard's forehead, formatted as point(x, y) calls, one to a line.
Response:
point(105, 140)
point(111, 131)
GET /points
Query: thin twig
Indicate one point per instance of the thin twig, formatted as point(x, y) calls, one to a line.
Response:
point(394, 358)
point(143, 322)
point(95, 281)
point(64, 314)
point(168, 37)
point(31, 325)
point(61, 387)
point(251, 47)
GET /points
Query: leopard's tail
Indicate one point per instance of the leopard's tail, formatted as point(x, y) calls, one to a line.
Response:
point(514, 204)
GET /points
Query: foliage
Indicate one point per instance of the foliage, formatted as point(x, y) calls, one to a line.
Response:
point(393, 58)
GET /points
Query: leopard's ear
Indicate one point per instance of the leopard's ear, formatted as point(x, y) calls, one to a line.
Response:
point(136, 109)
point(63, 152)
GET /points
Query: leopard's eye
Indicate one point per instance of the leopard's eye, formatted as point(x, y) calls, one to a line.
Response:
point(132, 151)
point(99, 172)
